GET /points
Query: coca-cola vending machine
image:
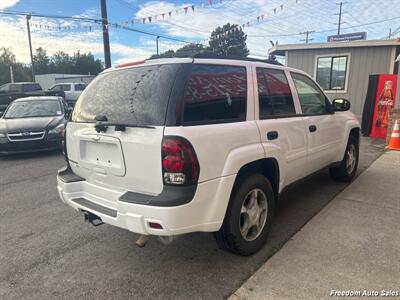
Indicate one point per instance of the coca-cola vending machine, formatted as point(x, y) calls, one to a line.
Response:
point(381, 96)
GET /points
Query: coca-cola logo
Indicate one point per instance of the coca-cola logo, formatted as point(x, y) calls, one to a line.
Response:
point(386, 102)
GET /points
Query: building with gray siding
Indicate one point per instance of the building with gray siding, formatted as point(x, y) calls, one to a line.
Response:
point(342, 69)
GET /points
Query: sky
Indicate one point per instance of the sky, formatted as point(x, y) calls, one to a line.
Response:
point(282, 21)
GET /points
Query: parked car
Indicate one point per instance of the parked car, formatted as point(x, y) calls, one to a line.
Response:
point(12, 91)
point(172, 146)
point(69, 91)
point(33, 124)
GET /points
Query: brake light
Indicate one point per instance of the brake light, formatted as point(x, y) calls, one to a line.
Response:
point(179, 161)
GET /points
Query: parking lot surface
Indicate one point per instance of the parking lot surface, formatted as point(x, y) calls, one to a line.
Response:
point(47, 251)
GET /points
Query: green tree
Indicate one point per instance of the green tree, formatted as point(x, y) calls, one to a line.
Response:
point(6, 56)
point(168, 53)
point(21, 72)
point(191, 49)
point(62, 63)
point(41, 61)
point(226, 40)
point(86, 63)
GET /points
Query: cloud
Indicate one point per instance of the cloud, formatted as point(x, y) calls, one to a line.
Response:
point(13, 35)
point(284, 26)
point(7, 3)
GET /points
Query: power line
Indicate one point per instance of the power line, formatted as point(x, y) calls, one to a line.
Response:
point(328, 30)
point(91, 20)
point(307, 33)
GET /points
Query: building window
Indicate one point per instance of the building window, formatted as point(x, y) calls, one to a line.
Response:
point(332, 72)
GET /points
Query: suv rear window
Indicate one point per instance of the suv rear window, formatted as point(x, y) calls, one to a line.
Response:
point(134, 96)
point(215, 94)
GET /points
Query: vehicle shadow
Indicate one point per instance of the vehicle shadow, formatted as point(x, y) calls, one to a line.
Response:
point(29, 155)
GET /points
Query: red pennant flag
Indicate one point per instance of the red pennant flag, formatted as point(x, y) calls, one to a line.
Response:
point(281, 7)
point(186, 9)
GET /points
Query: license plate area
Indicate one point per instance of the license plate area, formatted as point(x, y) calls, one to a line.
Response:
point(102, 155)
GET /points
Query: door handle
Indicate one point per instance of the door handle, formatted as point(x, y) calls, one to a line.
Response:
point(272, 135)
point(312, 128)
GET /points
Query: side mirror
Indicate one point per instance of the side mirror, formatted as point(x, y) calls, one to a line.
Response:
point(340, 104)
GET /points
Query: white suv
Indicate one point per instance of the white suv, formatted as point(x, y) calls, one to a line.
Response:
point(170, 146)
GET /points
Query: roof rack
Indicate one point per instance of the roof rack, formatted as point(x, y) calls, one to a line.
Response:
point(210, 55)
point(234, 57)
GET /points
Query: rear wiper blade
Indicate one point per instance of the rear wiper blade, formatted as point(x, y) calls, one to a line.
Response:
point(101, 126)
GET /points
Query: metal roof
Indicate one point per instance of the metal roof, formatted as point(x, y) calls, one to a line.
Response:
point(281, 49)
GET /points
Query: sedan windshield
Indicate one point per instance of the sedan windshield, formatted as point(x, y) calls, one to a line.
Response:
point(29, 109)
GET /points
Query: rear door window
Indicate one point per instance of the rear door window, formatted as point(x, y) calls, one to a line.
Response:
point(31, 87)
point(215, 94)
point(134, 96)
point(274, 94)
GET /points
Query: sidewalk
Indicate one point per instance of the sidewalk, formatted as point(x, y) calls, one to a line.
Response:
point(353, 244)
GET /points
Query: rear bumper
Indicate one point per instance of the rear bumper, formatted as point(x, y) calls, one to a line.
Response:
point(205, 212)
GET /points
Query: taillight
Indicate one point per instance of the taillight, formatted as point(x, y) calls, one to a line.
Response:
point(179, 161)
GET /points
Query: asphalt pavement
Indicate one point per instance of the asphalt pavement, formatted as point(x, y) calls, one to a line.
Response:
point(47, 251)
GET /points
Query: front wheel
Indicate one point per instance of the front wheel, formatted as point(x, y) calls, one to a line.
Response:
point(348, 167)
point(248, 217)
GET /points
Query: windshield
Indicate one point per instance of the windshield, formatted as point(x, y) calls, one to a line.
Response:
point(33, 108)
point(132, 96)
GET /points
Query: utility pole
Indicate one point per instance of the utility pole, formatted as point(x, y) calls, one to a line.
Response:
point(307, 33)
point(11, 74)
point(28, 27)
point(340, 15)
point(106, 38)
point(157, 44)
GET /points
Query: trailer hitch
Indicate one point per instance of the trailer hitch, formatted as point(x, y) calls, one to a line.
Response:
point(92, 218)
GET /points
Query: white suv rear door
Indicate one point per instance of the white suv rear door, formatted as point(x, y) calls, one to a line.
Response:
point(282, 129)
point(323, 129)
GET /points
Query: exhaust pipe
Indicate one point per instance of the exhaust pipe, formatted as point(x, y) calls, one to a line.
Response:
point(142, 241)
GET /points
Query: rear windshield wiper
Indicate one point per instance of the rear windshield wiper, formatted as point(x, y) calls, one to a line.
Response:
point(101, 126)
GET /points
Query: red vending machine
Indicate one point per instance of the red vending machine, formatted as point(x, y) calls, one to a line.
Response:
point(381, 97)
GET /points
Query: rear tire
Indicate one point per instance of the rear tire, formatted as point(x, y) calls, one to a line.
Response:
point(348, 167)
point(248, 217)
